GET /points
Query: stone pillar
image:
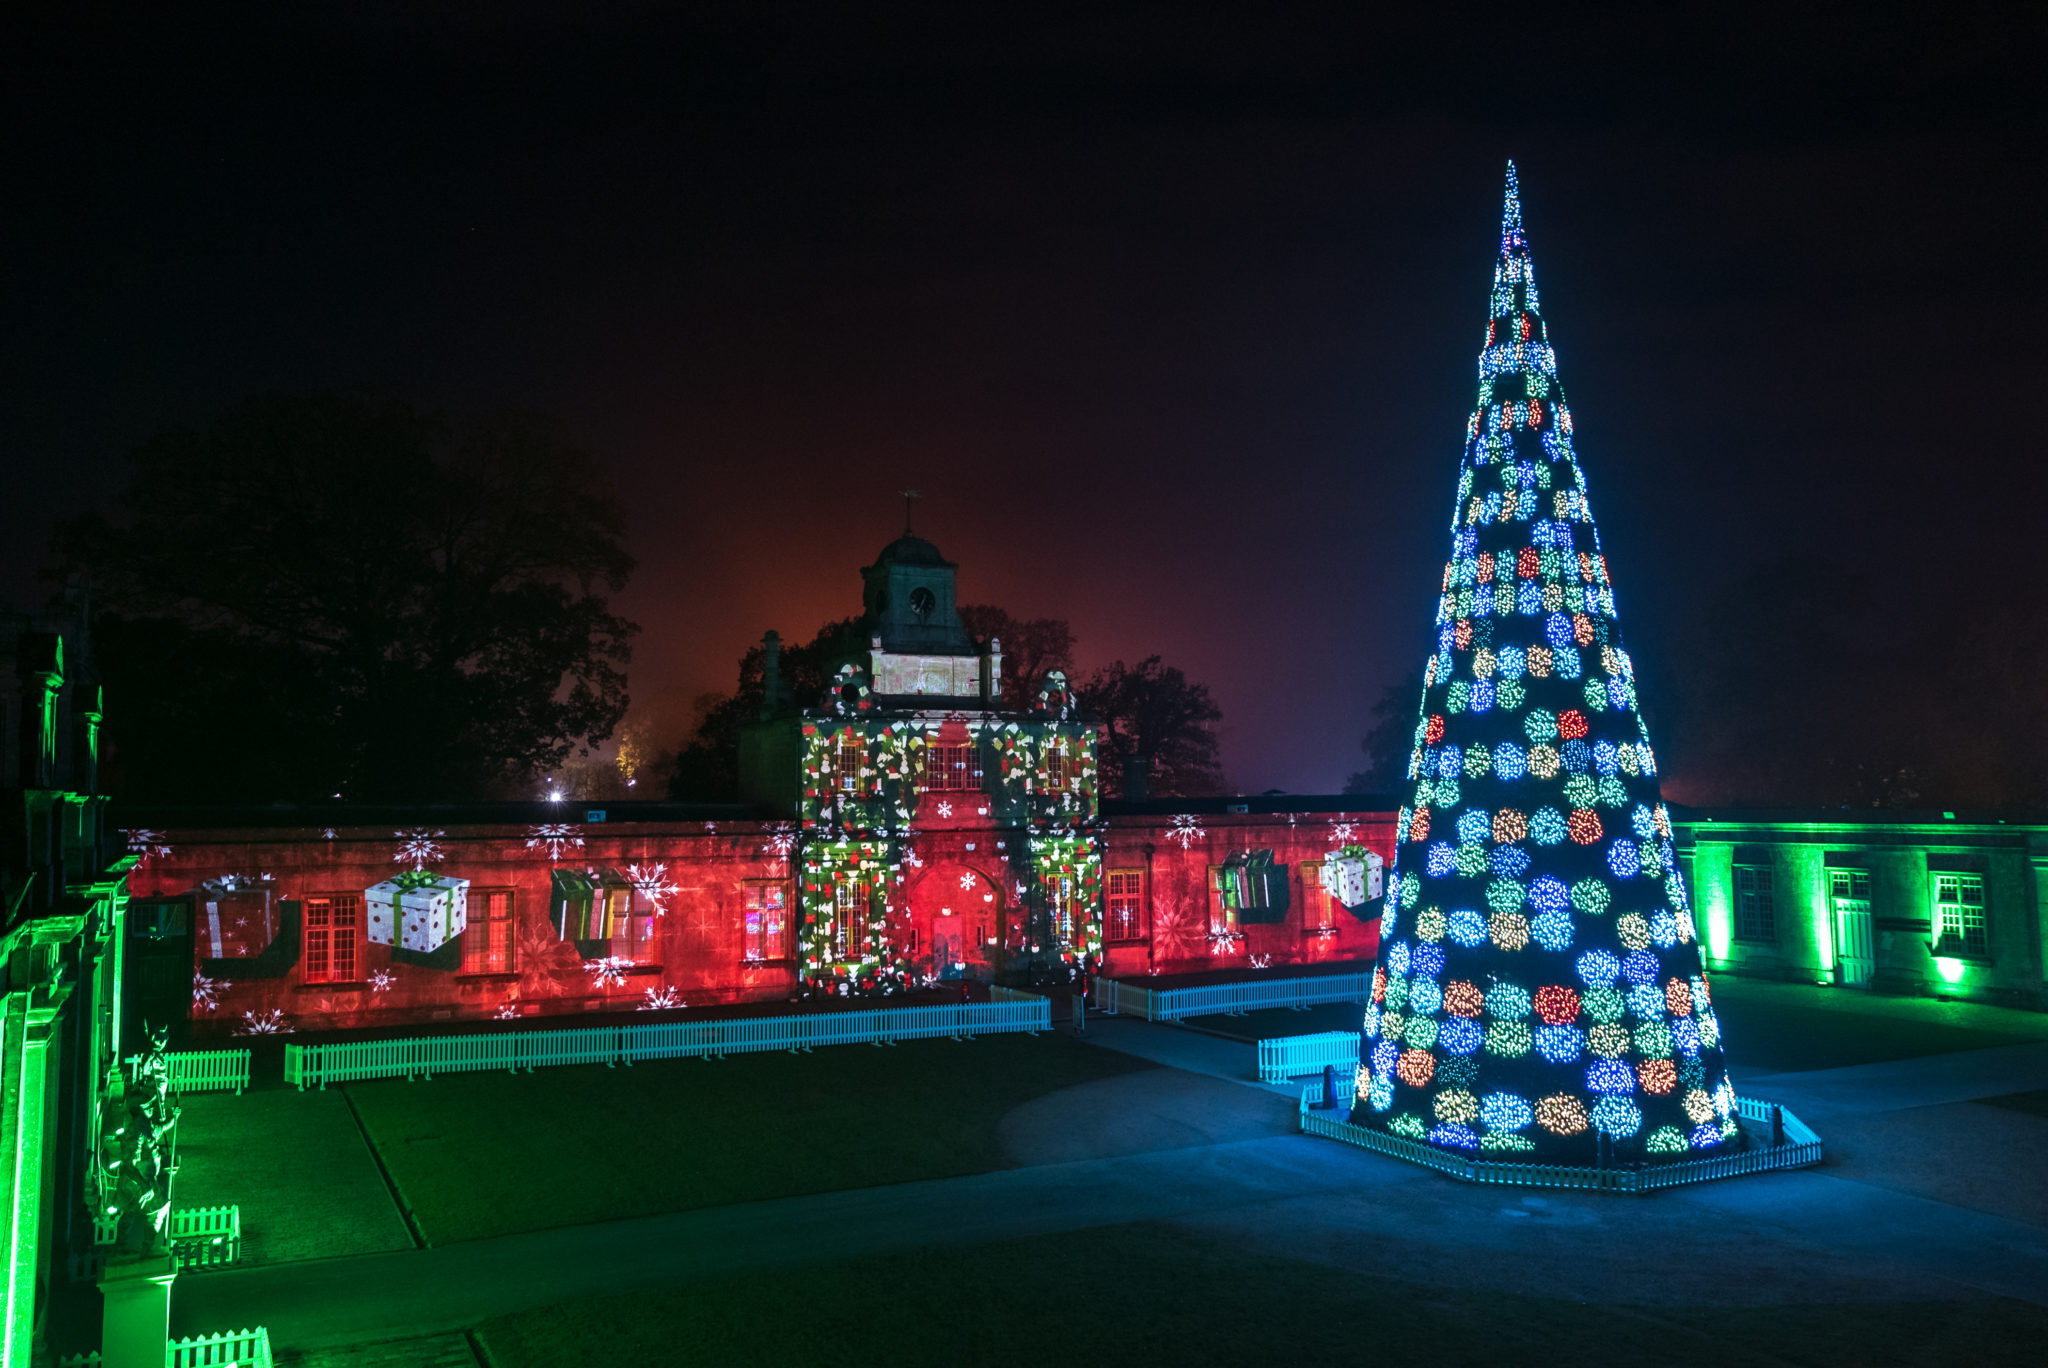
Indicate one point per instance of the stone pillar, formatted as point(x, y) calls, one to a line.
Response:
point(136, 1326)
point(24, 1057)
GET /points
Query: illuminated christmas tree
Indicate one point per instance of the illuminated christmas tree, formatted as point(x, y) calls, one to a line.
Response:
point(1539, 980)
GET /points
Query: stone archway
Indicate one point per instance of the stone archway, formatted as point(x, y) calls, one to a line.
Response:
point(955, 915)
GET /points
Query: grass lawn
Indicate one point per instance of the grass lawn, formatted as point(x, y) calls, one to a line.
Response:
point(488, 1154)
point(1158, 1293)
point(1770, 1027)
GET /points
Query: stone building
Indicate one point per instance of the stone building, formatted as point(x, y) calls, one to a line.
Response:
point(61, 910)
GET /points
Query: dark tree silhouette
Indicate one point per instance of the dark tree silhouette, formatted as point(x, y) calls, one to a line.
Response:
point(341, 593)
point(1390, 740)
point(1150, 712)
point(707, 769)
point(1031, 646)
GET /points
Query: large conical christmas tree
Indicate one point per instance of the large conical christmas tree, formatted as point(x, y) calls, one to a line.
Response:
point(1539, 980)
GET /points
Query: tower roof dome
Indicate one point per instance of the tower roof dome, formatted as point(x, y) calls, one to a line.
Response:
point(910, 549)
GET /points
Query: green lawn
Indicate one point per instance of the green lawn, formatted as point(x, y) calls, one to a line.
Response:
point(1770, 1027)
point(488, 1154)
point(1166, 1294)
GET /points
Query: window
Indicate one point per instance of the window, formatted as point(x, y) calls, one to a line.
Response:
point(333, 922)
point(1126, 891)
point(952, 769)
point(1223, 905)
point(1853, 884)
point(487, 942)
point(766, 910)
point(1959, 913)
point(1057, 768)
point(1318, 908)
point(629, 923)
point(849, 920)
point(1059, 895)
point(853, 754)
point(1755, 918)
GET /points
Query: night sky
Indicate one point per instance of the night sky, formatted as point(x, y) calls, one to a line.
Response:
point(1173, 321)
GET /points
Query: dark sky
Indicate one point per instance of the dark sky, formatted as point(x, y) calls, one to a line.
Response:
point(1172, 320)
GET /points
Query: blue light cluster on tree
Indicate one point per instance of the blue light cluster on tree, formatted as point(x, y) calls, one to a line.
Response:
point(1539, 979)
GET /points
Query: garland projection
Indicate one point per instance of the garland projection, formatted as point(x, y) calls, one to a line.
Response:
point(1539, 981)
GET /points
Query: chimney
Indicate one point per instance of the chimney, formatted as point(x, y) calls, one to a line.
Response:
point(771, 674)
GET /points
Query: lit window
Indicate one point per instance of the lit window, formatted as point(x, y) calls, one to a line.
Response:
point(334, 921)
point(853, 754)
point(1959, 910)
point(1126, 894)
point(1853, 884)
point(952, 769)
point(849, 921)
point(487, 942)
point(1057, 768)
point(1223, 905)
point(1756, 918)
point(766, 908)
point(1318, 908)
point(628, 922)
point(1060, 894)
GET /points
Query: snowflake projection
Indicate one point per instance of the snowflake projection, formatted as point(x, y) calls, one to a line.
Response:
point(554, 838)
point(1342, 834)
point(912, 858)
point(653, 883)
point(272, 1022)
point(966, 882)
point(711, 828)
point(1021, 889)
point(608, 972)
point(327, 833)
point(781, 840)
point(662, 999)
point(419, 848)
point(945, 809)
point(381, 981)
point(507, 1011)
point(206, 992)
point(147, 845)
point(1185, 830)
point(1261, 961)
point(1178, 933)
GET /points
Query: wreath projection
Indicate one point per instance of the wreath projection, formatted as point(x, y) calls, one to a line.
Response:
point(1539, 983)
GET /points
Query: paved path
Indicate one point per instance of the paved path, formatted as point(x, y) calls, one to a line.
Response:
point(1870, 1226)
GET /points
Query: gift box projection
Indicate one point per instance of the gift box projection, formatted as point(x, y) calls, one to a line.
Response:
point(1538, 983)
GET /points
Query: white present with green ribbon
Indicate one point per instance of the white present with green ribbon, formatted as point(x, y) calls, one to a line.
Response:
point(425, 911)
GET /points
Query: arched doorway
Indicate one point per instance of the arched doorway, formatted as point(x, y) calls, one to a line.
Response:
point(955, 920)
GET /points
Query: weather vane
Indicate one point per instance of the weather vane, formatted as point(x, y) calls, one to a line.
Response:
point(908, 495)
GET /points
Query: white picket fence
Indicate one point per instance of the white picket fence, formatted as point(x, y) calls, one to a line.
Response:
point(1121, 996)
point(233, 1349)
point(1286, 1057)
point(1802, 1148)
point(207, 1070)
point(206, 1237)
point(307, 1066)
point(241, 1348)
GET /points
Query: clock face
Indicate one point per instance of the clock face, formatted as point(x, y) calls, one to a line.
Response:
point(923, 602)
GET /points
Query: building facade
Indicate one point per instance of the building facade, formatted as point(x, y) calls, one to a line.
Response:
point(906, 832)
point(61, 939)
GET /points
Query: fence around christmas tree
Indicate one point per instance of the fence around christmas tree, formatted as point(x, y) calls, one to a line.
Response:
point(1124, 998)
point(308, 1066)
point(1800, 1148)
point(1285, 1057)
